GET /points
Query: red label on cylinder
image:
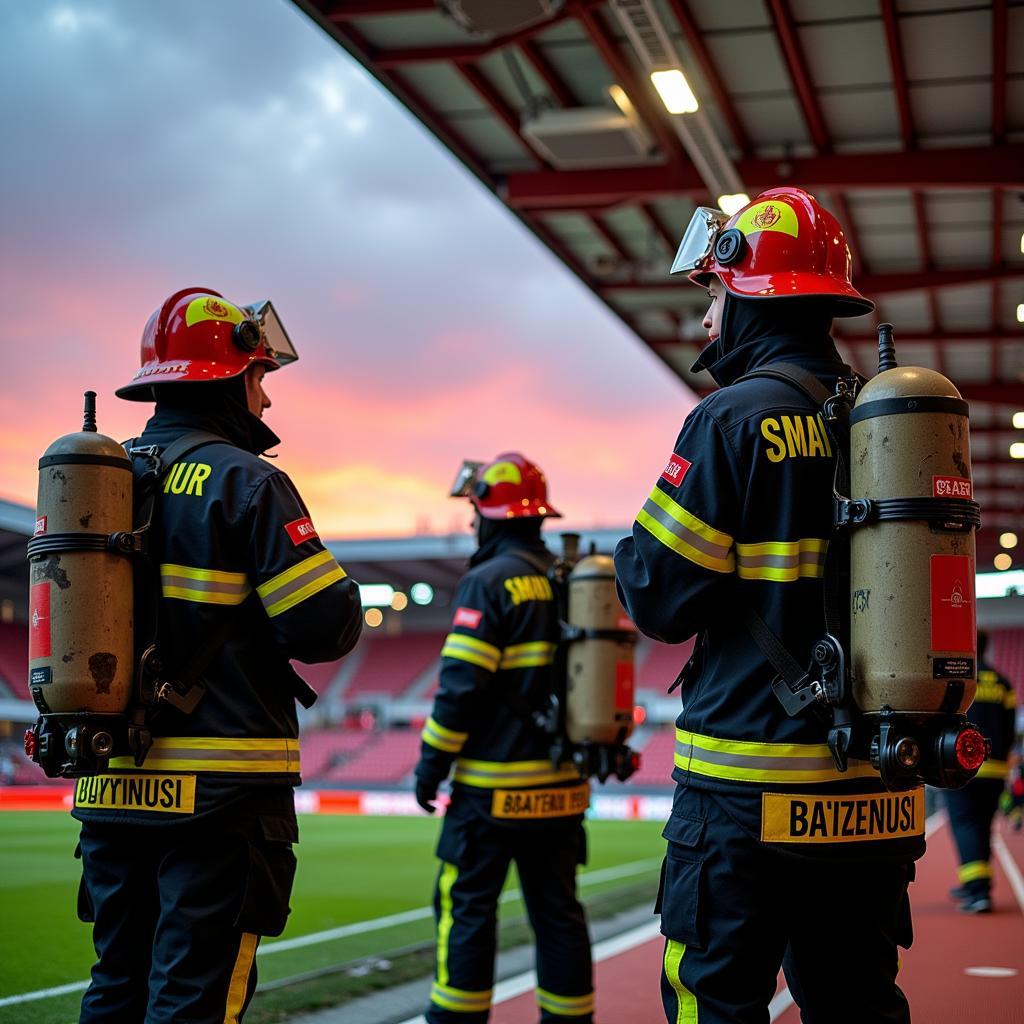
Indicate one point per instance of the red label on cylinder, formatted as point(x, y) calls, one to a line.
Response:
point(624, 686)
point(39, 621)
point(952, 600)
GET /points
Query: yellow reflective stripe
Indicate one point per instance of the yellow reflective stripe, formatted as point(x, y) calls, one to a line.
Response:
point(993, 770)
point(670, 523)
point(1010, 700)
point(239, 986)
point(501, 774)
point(295, 585)
point(459, 1000)
point(782, 561)
point(686, 1001)
point(973, 870)
point(540, 652)
point(469, 648)
point(438, 736)
point(217, 754)
point(775, 763)
point(565, 1006)
point(449, 872)
point(205, 586)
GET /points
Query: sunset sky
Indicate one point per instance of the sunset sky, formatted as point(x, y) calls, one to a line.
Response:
point(232, 145)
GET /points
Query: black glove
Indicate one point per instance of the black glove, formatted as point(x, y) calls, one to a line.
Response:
point(426, 794)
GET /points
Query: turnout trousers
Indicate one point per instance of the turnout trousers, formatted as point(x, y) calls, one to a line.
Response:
point(733, 910)
point(177, 916)
point(475, 856)
point(971, 811)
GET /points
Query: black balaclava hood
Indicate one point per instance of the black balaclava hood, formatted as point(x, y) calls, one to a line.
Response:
point(494, 534)
point(756, 332)
point(219, 406)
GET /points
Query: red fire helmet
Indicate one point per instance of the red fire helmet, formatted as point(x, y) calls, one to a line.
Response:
point(509, 487)
point(782, 245)
point(197, 335)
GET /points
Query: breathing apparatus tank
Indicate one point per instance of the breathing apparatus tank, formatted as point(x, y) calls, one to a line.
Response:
point(600, 641)
point(81, 598)
point(912, 629)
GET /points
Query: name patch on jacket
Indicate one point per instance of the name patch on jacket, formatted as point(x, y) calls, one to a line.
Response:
point(187, 478)
point(799, 818)
point(162, 794)
point(529, 588)
point(525, 804)
point(793, 437)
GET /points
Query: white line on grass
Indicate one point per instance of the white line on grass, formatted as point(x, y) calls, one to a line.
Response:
point(586, 878)
point(1010, 867)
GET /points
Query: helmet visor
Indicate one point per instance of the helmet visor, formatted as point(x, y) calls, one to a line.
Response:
point(699, 240)
point(275, 338)
point(465, 480)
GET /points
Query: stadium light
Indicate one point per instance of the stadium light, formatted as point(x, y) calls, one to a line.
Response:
point(1017, 450)
point(399, 602)
point(731, 204)
point(1020, 313)
point(421, 593)
point(676, 94)
point(1008, 539)
point(376, 595)
point(1018, 420)
point(373, 617)
point(999, 584)
point(1002, 561)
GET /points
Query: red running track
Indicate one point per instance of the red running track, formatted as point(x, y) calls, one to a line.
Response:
point(935, 975)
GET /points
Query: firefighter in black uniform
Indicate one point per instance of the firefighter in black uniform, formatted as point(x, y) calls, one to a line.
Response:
point(509, 803)
point(972, 808)
point(180, 893)
point(769, 847)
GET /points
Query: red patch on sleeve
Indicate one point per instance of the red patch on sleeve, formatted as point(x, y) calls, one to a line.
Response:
point(676, 470)
point(301, 530)
point(468, 617)
point(39, 622)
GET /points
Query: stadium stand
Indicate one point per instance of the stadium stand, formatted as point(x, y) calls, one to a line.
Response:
point(323, 749)
point(388, 759)
point(659, 664)
point(656, 759)
point(1007, 655)
point(14, 659)
point(320, 676)
point(391, 664)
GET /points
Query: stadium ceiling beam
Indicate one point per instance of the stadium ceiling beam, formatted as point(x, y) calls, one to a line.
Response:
point(695, 41)
point(997, 337)
point(999, 44)
point(531, 51)
point(843, 213)
point(890, 18)
point(638, 91)
point(789, 40)
point(968, 168)
point(460, 52)
point(870, 284)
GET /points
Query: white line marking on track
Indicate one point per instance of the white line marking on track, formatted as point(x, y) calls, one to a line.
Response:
point(1010, 867)
point(585, 878)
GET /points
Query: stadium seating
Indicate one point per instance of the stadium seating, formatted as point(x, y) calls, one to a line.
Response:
point(659, 664)
point(323, 748)
point(319, 676)
point(390, 664)
point(656, 759)
point(14, 658)
point(388, 759)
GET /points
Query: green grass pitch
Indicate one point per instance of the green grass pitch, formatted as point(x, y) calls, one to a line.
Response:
point(350, 869)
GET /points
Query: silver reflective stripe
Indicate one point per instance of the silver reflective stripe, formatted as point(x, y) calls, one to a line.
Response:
point(687, 750)
point(169, 579)
point(695, 540)
point(310, 576)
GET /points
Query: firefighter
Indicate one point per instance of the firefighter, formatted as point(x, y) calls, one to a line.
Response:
point(187, 861)
point(508, 803)
point(769, 846)
point(972, 808)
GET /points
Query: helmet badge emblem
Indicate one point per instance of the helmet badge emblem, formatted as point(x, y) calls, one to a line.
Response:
point(767, 217)
point(216, 309)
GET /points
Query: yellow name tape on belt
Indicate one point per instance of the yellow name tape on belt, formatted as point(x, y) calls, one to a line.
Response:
point(540, 803)
point(800, 818)
point(161, 794)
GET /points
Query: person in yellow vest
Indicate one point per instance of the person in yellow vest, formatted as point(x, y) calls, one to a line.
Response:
point(972, 808)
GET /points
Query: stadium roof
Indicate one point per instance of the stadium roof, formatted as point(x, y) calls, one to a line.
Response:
point(905, 118)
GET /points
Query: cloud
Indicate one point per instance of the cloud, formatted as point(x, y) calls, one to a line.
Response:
point(234, 146)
